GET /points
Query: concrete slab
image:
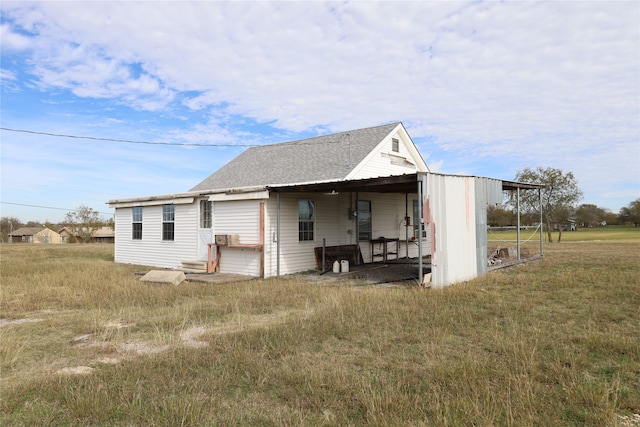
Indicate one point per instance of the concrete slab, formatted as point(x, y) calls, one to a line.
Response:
point(164, 276)
point(218, 278)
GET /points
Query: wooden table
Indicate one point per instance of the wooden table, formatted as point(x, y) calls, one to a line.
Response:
point(384, 250)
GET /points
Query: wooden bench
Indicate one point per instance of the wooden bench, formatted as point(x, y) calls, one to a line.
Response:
point(350, 253)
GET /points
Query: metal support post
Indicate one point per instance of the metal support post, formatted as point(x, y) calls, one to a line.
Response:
point(518, 231)
point(278, 235)
point(420, 228)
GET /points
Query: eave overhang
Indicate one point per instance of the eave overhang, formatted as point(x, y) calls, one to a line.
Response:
point(404, 184)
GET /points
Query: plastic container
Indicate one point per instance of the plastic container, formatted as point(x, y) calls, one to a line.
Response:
point(336, 267)
point(344, 266)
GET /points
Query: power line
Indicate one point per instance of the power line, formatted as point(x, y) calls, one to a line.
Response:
point(129, 141)
point(178, 144)
point(50, 207)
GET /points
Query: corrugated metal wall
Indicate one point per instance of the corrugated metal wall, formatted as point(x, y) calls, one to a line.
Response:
point(487, 191)
point(481, 225)
point(449, 212)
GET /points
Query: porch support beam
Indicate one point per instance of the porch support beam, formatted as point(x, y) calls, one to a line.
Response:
point(541, 223)
point(278, 234)
point(406, 225)
point(518, 222)
point(357, 227)
point(420, 228)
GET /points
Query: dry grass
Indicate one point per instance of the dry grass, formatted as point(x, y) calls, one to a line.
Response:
point(553, 342)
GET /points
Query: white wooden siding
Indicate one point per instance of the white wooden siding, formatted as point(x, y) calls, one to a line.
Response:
point(152, 250)
point(333, 225)
point(383, 160)
point(240, 217)
point(297, 256)
point(387, 220)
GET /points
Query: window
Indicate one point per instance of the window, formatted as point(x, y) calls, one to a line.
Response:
point(395, 145)
point(306, 220)
point(205, 213)
point(136, 223)
point(168, 221)
point(364, 220)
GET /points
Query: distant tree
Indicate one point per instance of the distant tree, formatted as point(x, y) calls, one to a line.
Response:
point(51, 226)
point(7, 225)
point(83, 222)
point(110, 223)
point(588, 215)
point(610, 217)
point(631, 213)
point(559, 197)
point(498, 216)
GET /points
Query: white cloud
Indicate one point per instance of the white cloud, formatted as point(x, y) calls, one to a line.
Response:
point(12, 41)
point(525, 82)
point(7, 75)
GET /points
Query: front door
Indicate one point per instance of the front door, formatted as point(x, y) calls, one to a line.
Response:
point(205, 229)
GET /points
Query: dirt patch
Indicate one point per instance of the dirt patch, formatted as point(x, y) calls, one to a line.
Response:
point(244, 323)
point(76, 370)
point(629, 420)
point(109, 360)
point(9, 322)
point(32, 317)
point(142, 348)
point(116, 325)
point(189, 337)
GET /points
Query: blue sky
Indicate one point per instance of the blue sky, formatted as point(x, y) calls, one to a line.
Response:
point(483, 88)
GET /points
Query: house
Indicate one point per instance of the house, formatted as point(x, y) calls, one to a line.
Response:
point(364, 195)
point(100, 235)
point(34, 235)
point(104, 234)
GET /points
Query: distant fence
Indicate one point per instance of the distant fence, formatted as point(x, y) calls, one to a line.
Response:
point(511, 227)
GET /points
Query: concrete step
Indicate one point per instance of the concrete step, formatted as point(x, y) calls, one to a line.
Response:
point(193, 271)
point(194, 266)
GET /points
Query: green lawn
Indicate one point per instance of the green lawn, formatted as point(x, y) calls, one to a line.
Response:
point(610, 232)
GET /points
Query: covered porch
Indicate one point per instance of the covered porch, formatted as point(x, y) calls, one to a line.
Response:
point(434, 223)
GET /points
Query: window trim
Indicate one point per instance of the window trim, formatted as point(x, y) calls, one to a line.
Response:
point(168, 223)
point(369, 235)
point(395, 145)
point(304, 233)
point(206, 214)
point(136, 220)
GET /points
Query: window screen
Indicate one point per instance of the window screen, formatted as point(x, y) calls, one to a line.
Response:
point(168, 222)
point(306, 220)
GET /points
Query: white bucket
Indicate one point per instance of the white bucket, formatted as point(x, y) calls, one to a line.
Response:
point(344, 266)
point(336, 267)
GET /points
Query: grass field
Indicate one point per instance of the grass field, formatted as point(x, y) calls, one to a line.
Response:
point(554, 342)
point(608, 233)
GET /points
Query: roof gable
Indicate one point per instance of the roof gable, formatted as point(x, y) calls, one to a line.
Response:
point(396, 154)
point(322, 158)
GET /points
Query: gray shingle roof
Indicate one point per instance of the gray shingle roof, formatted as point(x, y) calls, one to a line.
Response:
point(328, 157)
